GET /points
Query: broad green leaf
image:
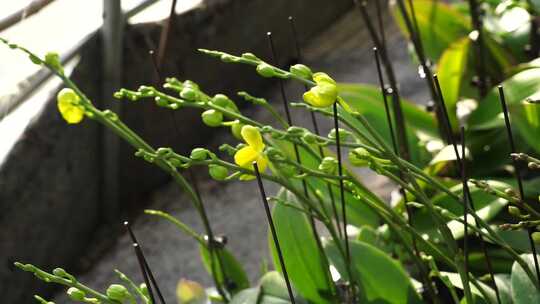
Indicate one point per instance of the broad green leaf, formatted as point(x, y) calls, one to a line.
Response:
point(455, 279)
point(487, 207)
point(234, 272)
point(439, 24)
point(504, 284)
point(358, 213)
point(501, 261)
point(367, 100)
point(519, 87)
point(246, 296)
point(382, 279)
point(304, 261)
point(448, 154)
point(523, 290)
point(451, 70)
point(274, 290)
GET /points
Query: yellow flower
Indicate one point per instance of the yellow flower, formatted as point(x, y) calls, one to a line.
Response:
point(324, 94)
point(253, 152)
point(69, 107)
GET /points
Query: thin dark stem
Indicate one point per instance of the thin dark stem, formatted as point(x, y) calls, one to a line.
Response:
point(479, 46)
point(341, 188)
point(518, 173)
point(465, 207)
point(165, 34)
point(273, 231)
point(396, 102)
point(416, 40)
point(314, 119)
point(416, 252)
point(468, 203)
point(193, 180)
point(281, 86)
point(143, 271)
point(148, 271)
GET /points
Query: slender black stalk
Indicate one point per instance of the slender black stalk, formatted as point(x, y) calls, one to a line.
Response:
point(479, 47)
point(281, 86)
point(425, 277)
point(518, 174)
point(396, 102)
point(314, 120)
point(416, 40)
point(273, 231)
point(148, 271)
point(342, 188)
point(165, 34)
point(465, 207)
point(467, 198)
point(140, 259)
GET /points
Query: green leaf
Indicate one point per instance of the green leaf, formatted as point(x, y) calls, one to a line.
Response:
point(367, 100)
point(487, 207)
point(274, 290)
point(455, 279)
point(440, 25)
point(523, 290)
point(451, 70)
point(504, 285)
point(246, 296)
point(234, 271)
point(519, 87)
point(304, 261)
point(382, 279)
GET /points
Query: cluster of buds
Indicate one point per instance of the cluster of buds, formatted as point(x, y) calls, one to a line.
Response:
point(532, 163)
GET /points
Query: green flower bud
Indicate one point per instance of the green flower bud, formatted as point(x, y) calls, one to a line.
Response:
point(191, 84)
point(199, 154)
point(76, 294)
point(510, 192)
point(53, 60)
point(343, 134)
point(218, 172)
point(228, 58)
point(188, 93)
point(212, 118)
point(224, 102)
point(266, 70)
point(250, 56)
point(536, 237)
point(301, 71)
point(514, 211)
point(161, 102)
point(309, 138)
point(359, 157)
point(328, 165)
point(117, 292)
point(236, 128)
point(144, 290)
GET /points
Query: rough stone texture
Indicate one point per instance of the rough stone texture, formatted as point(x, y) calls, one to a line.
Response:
point(234, 208)
point(50, 201)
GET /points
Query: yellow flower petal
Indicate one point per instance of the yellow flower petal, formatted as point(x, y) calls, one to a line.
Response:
point(322, 95)
point(321, 78)
point(253, 138)
point(262, 163)
point(245, 157)
point(68, 106)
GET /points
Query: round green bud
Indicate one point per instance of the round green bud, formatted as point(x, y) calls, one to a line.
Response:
point(228, 58)
point(510, 192)
point(188, 93)
point(218, 172)
point(301, 71)
point(309, 138)
point(212, 118)
point(199, 154)
point(224, 102)
point(161, 102)
point(191, 84)
point(117, 292)
point(266, 70)
point(76, 294)
point(250, 56)
point(144, 290)
point(359, 157)
point(343, 134)
point(236, 129)
point(514, 211)
point(328, 165)
point(536, 237)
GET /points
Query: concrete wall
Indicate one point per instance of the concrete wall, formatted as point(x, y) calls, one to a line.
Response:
point(50, 198)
